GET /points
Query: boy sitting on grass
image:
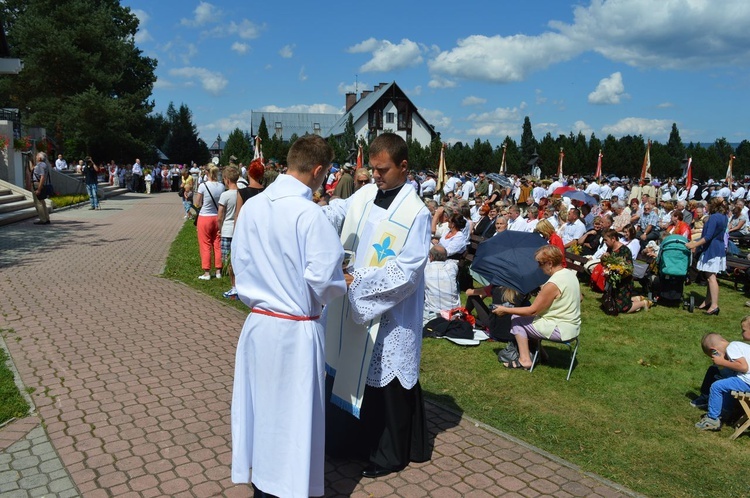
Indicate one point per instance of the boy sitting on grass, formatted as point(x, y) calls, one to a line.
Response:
point(733, 356)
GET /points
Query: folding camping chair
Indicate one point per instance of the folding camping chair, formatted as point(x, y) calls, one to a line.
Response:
point(573, 351)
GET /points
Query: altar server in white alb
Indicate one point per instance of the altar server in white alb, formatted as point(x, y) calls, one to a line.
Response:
point(287, 261)
point(374, 334)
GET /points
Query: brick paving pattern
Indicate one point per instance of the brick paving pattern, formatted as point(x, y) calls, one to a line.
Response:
point(132, 377)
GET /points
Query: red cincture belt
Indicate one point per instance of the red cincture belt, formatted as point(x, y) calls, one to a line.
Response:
point(284, 316)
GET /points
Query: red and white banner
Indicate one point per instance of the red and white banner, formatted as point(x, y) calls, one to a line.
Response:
point(689, 175)
point(599, 165)
point(560, 165)
point(503, 166)
point(359, 157)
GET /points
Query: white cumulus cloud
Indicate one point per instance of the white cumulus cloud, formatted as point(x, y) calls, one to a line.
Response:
point(501, 59)
point(609, 90)
point(471, 100)
point(204, 13)
point(302, 75)
point(387, 56)
point(435, 118)
point(640, 126)
point(669, 34)
point(500, 122)
point(287, 51)
point(240, 48)
point(354, 87)
point(211, 81)
point(142, 35)
point(440, 82)
point(304, 108)
point(582, 127)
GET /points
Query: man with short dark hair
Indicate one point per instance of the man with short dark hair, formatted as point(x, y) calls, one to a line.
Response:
point(287, 261)
point(374, 334)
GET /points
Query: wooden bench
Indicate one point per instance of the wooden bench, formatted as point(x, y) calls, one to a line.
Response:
point(576, 263)
point(471, 249)
point(736, 271)
point(743, 398)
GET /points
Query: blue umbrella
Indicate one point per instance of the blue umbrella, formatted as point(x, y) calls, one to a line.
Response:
point(580, 195)
point(501, 180)
point(507, 260)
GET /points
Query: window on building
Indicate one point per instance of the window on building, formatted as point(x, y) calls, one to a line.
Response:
point(316, 128)
point(390, 117)
point(277, 129)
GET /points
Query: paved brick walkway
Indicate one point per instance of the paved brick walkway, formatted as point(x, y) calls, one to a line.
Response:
point(134, 393)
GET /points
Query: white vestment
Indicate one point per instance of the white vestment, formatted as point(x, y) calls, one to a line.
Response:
point(393, 293)
point(287, 259)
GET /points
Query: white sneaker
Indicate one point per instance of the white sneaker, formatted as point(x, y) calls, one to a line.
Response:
point(204, 277)
point(218, 274)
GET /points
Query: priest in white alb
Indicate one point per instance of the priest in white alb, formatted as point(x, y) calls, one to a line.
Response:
point(287, 263)
point(374, 333)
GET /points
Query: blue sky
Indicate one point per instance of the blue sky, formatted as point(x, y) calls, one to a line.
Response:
point(474, 69)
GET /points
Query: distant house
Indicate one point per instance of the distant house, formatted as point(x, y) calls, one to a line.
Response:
point(385, 108)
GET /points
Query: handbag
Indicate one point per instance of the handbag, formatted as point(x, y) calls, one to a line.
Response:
point(181, 193)
point(609, 304)
point(598, 280)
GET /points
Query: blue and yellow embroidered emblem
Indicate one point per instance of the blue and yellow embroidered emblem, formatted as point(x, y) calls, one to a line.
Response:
point(383, 250)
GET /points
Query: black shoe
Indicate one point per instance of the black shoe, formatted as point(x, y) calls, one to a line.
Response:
point(372, 471)
point(40, 222)
point(714, 311)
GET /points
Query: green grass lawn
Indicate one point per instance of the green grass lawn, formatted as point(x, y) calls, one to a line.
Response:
point(625, 412)
point(12, 404)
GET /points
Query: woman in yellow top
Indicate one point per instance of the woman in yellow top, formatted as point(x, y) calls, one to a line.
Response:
point(555, 313)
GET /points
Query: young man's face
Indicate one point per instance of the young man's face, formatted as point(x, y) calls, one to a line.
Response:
point(386, 173)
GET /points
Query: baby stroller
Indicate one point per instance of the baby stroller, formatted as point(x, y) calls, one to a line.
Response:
point(672, 264)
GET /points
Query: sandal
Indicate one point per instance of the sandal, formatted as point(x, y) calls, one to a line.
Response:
point(515, 364)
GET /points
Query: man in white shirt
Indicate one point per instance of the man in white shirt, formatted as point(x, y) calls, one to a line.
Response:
point(137, 172)
point(288, 264)
point(387, 225)
point(738, 193)
point(605, 191)
point(440, 283)
point(593, 188)
point(450, 183)
point(724, 192)
point(61, 164)
point(573, 229)
point(538, 193)
point(515, 222)
point(468, 189)
point(619, 192)
point(553, 186)
point(428, 186)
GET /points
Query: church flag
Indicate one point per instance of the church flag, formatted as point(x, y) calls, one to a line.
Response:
point(441, 170)
point(560, 165)
point(599, 165)
point(729, 171)
point(689, 175)
point(258, 154)
point(503, 166)
point(359, 157)
point(646, 169)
